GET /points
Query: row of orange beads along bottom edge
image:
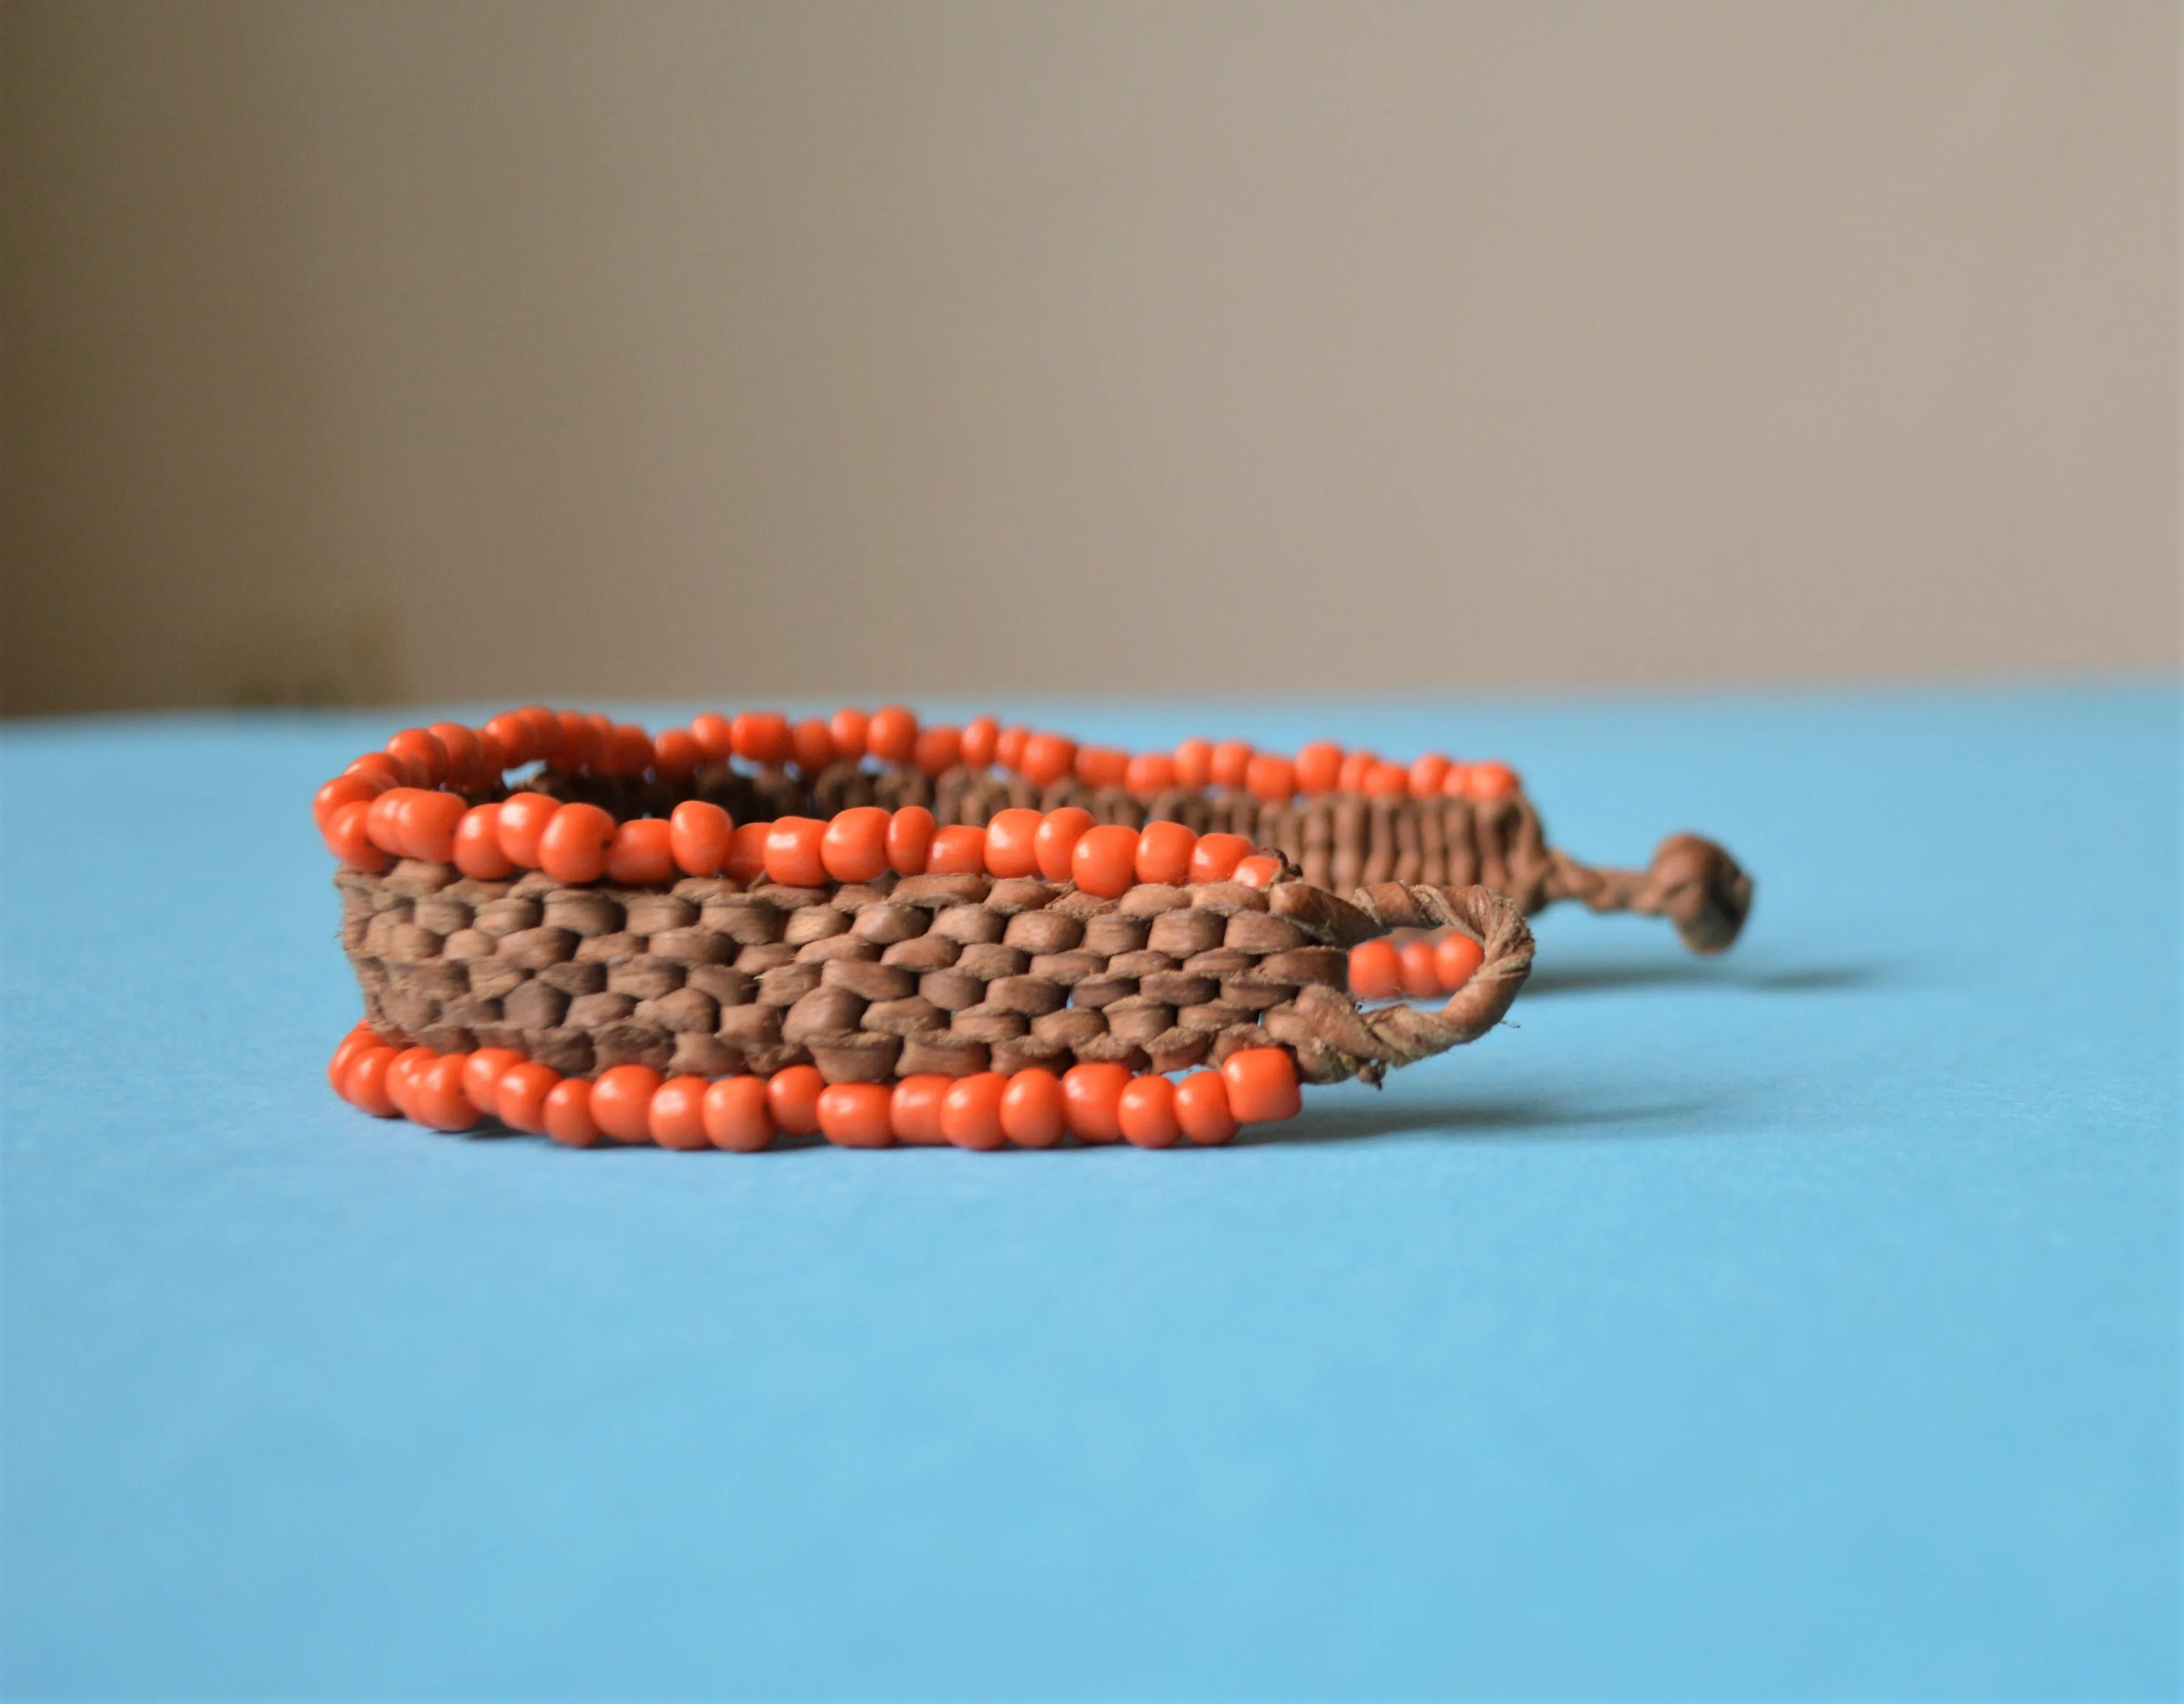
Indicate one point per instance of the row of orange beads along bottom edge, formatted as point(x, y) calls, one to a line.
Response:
point(1030, 1108)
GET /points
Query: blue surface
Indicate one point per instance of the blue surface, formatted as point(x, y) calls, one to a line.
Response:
point(1802, 1321)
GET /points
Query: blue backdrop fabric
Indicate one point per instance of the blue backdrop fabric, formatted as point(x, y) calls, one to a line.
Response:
point(1802, 1321)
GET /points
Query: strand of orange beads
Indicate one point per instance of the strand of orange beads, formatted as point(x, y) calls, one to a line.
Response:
point(1043, 757)
point(405, 800)
point(372, 812)
point(578, 842)
point(1097, 1104)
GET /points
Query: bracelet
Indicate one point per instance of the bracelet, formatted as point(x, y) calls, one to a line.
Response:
point(739, 927)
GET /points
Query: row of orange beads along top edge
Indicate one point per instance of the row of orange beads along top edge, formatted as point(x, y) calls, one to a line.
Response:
point(1032, 1108)
point(580, 741)
point(579, 842)
point(893, 734)
point(447, 758)
point(1321, 767)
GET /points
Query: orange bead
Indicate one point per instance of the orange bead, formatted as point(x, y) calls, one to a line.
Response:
point(891, 736)
point(959, 850)
point(792, 852)
point(1010, 839)
point(1355, 766)
point(849, 729)
point(1421, 980)
point(545, 732)
point(1229, 761)
point(746, 858)
point(1090, 1095)
point(1149, 772)
point(517, 738)
point(363, 1084)
point(1457, 958)
point(349, 837)
point(1102, 766)
point(812, 746)
point(622, 1102)
point(345, 1053)
point(1376, 970)
point(346, 1048)
point(676, 755)
point(981, 735)
point(566, 1113)
point(1387, 780)
point(940, 749)
point(715, 736)
point(643, 855)
point(1258, 871)
point(699, 835)
point(522, 820)
point(582, 740)
point(676, 1115)
point(853, 846)
point(914, 1110)
point(383, 819)
point(428, 821)
point(1032, 1111)
point(1146, 1113)
point(423, 759)
point(1456, 784)
point(1047, 758)
point(389, 831)
point(1216, 856)
point(344, 789)
point(1193, 763)
point(436, 1100)
point(520, 1097)
point(1059, 832)
point(1105, 860)
point(792, 1095)
point(482, 1076)
point(854, 1115)
point(762, 738)
point(1427, 774)
point(1201, 1109)
point(1320, 766)
point(401, 1077)
point(575, 846)
point(737, 1116)
point(1263, 1085)
point(478, 852)
point(1491, 781)
point(1009, 746)
point(909, 832)
point(493, 758)
point(1164, 850)
point(971, 1110)
point(628, 751)
point(466, 757)
point(378, 763)
point(1270, 778)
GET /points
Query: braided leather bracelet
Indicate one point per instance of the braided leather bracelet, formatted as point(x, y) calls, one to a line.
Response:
point(740, 927)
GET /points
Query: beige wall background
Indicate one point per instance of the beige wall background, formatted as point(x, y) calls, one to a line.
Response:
point(371, 351)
